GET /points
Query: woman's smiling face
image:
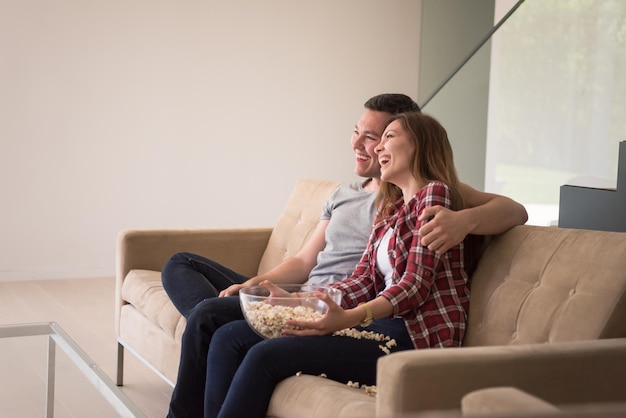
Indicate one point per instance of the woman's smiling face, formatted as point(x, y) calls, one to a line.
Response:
point(395, 155)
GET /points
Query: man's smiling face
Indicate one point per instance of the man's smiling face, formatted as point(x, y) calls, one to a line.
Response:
point(365, 138)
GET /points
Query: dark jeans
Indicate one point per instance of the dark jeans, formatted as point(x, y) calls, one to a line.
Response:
point(188, 279)
point(243, 369)
point(193, 282)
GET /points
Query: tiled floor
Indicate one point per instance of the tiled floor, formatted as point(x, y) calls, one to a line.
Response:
point(84, 308)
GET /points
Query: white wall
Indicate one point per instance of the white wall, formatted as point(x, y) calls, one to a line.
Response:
point(178, 114)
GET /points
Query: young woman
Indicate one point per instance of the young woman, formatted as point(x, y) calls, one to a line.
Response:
point(400, 289)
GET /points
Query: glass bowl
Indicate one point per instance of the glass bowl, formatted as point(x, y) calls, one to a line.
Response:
point(267, 314)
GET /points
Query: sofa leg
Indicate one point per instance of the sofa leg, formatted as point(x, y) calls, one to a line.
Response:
point(120, 364)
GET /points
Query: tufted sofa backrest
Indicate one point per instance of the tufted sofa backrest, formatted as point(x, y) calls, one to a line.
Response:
point(297, 221)
point(545, 284)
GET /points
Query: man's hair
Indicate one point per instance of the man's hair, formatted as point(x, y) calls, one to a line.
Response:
point(393, 103)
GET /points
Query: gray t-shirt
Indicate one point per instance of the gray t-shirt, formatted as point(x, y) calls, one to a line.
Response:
point(350, 211)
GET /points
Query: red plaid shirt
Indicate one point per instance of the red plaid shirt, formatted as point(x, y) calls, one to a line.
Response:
point(430, 292)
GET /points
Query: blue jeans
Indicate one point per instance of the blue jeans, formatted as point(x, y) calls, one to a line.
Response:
point(243, 369)
point(193, 283)
point(188, 279)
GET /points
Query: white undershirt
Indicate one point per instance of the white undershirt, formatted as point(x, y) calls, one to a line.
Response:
point(383, 262)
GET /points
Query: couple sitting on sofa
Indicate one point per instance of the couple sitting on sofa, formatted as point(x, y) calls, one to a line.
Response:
point(415, 292)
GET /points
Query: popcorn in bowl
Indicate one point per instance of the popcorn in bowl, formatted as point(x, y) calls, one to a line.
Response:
point(266, 313)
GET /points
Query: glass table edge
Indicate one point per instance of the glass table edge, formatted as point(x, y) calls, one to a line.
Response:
point(109, 390)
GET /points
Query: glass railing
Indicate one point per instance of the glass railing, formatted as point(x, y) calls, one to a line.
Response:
point(540, 102)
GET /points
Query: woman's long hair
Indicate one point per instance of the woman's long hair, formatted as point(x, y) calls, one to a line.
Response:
point(432, 160)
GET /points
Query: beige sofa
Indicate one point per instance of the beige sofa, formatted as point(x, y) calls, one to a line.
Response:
point(535, 291)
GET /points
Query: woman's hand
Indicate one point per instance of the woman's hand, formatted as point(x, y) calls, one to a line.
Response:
point(335, 319)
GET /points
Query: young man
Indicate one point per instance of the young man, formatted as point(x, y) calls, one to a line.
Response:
point(331, 253)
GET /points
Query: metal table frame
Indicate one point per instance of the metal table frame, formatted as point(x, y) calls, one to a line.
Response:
point(59, 338)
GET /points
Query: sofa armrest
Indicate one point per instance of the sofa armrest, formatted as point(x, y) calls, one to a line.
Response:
point(559, 373)
point(240, 249)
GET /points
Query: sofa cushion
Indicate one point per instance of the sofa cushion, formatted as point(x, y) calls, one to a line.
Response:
point(297, 221)
point(538, 284)
point(312, 396)
point(502, 401)
point(143, 289)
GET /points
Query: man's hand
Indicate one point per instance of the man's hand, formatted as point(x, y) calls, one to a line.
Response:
point(232, 290)
point(446, 229)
